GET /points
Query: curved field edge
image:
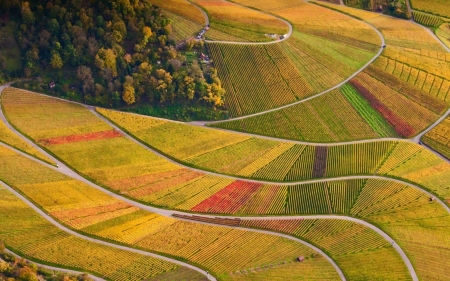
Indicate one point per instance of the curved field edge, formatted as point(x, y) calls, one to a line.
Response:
point(80, 232)
point(234, 177)
point(41, 214)
point(47, 265)
point(337, 9)
point(116, 241)
point(230, 30)
point(288, 98)
point(250, 179)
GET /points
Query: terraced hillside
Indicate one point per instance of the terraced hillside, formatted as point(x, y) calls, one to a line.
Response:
point(39, 240)
point(252, 157)
point(223, 251)
point(297, 68)
point(350, 184)
point(439, 138)
point(412, 72)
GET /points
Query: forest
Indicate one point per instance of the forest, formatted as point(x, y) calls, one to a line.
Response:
point(110, 53)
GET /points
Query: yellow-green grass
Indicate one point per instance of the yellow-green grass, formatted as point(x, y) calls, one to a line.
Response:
point(443, 32)
point(439, 138)
point(182, 8)
point(437, 7)
point(347, 243)
point(28, 234)
point(220, 250)
point(240, 21)
point(182, 28)
point(328, 118)
point(10, 138)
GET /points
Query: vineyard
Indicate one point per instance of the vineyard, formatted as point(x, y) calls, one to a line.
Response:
point(347, 182)
point(182, 28)
point(9, 137)
point(182, 8)
point(439, 138)
point(241, 22)
point(25, 232)
point(283, 73)
point(438, 7)
point(443, 33)
point(279, 161)
point(427, 19)
point(93, 212)
point(348, 243)
point(328, 118)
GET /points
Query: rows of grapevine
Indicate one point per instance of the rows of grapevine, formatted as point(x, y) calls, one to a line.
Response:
point(347, 243)
point(405, 34)
point(443, 33)
point(403, 71)
point(328, 118)
point(30, 235)
point(439, 137)
point(436, 7)
point(10, 138)
point(124, 166)
point(405, 115)
point(427, 19)
point(182, 28)
point(259, 74)
point(219, 249)
point(370, 115)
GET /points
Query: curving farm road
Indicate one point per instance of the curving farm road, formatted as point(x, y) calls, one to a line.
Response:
point(74, 272)
point(170, 213)
point(67, 171)
point(207, 22)
point(71, 173)
point(166, 213)
point(63, 228)
point(383, 43)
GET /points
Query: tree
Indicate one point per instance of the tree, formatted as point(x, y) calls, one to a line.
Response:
point(84, 73)
point(27, 274)
point(27, 14)
point(106, 59)
point(56, 61)
point(128, 94)
point(128, 91)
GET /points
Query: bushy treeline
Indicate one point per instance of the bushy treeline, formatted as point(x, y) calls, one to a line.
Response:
point(109, 52)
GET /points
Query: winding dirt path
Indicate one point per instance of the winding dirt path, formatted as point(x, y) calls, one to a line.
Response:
point(74, 233)
point(170, 213)
point(207, 22)
point(59, 269)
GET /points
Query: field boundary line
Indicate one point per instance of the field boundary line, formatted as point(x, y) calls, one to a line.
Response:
point(60, 269)
point(286, 36)
point(383, 43)
point(99, 241)
point(77, 175)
